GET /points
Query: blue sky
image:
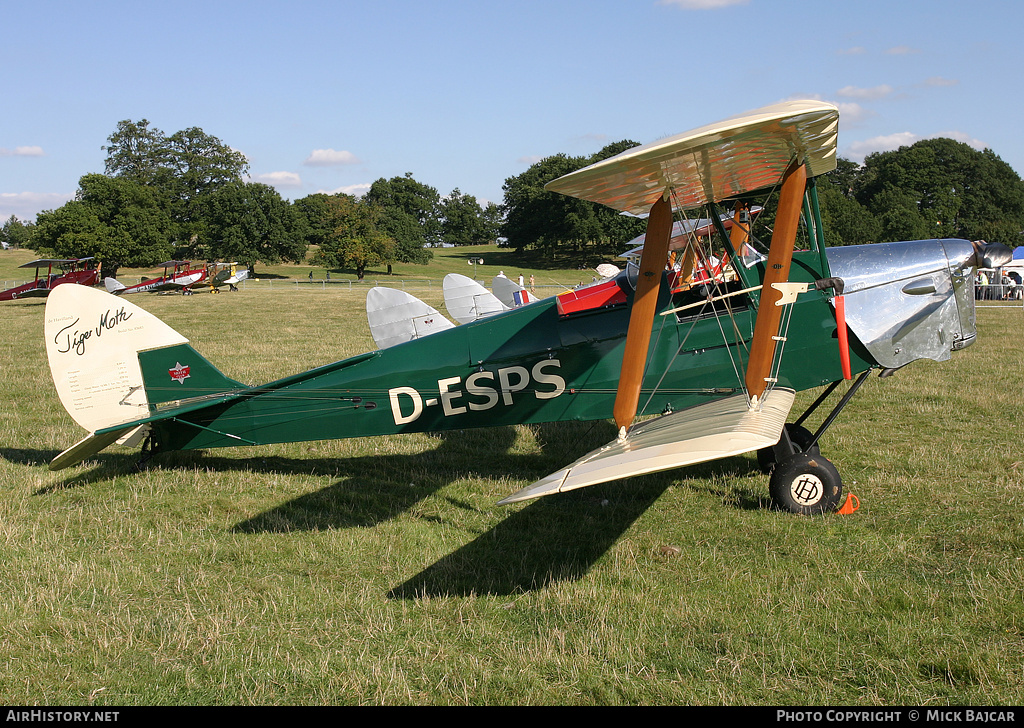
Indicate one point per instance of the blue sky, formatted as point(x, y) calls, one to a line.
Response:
point(330, 96)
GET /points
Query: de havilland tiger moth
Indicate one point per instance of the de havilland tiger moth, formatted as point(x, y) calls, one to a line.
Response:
point(178, 275)
point(689, 370)
point(82, 271)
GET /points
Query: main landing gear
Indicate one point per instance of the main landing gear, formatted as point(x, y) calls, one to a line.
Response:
point(802, 481)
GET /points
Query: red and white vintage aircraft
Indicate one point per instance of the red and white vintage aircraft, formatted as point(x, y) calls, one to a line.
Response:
point(72, 270)
point(177, 276)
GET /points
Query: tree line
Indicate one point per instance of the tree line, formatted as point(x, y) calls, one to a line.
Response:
point(185, 195)
point(935, 188)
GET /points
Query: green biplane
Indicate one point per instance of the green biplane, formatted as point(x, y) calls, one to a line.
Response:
point(693, 360)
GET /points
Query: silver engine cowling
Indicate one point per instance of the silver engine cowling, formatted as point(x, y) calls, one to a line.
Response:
point(913, 300)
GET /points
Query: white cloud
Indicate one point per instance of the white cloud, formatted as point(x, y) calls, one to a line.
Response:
point(853, 51)
point(890, 142)
point(22, 152)
point(355, 190)
point(330, 158)
point(940, 81)
point(885, 143)
point(865, 94)
point(962, 137)
point(852, 113)
point(279, 179)
point(702, 4)
point(26, 205)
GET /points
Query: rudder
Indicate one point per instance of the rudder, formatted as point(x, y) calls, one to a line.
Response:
point(94, 343)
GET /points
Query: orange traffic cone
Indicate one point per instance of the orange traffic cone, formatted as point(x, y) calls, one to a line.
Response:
point(852, 504)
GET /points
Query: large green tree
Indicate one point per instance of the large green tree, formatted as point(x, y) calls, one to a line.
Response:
point(942, 188)
point(355, 237)
point(464, 222)
point(183, 169)
point(409, 216)
point(541, 220)
point(845, 220)
point(138, 152)
point(316, 212)
point(16, 233)
point(250, 222)
point(118, 221)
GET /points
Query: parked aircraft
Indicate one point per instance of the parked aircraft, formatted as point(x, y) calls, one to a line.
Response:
point(177, 276)
point(82, 271)
point(688, 370)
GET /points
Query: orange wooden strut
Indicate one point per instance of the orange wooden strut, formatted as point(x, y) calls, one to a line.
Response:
point(780, 256)
point(641, 315)
point(740, 233)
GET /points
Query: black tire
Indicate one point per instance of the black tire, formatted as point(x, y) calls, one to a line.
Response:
point(807, 484)
point(801, 438)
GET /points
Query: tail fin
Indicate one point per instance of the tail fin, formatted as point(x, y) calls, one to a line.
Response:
point(396, 317)
point(113, 285)
point(467, 300)
point(109, 359)
point(510, 293)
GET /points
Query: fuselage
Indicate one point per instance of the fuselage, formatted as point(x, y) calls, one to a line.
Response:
point(537, 363)
point(177, 280)
point(526, 365)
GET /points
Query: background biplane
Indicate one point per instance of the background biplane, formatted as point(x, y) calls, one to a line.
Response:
point(177, 276)
point(714, 359)
point(219, 275)
point(82, 271)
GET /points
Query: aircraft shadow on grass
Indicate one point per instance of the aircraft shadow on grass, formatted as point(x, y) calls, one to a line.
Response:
point(550, 540)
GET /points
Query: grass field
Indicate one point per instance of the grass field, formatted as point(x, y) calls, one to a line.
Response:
point(445, 260)
point(379, 571)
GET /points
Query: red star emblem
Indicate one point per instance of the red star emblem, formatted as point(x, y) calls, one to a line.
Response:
point(179, 373)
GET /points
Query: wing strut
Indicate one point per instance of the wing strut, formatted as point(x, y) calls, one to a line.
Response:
point(780, 256)
point(641, 315)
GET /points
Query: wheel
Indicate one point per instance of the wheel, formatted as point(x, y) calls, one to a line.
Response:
point(800, 437)
point(806, 483)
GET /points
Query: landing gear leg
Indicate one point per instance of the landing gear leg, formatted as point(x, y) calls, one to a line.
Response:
point(146, 454)
point(802, 481)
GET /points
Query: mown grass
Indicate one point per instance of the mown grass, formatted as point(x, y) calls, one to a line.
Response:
point(379, 571)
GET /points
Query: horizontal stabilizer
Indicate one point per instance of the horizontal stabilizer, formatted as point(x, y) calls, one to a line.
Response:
point(708, 431)
point(35, 293)
point(86, 447)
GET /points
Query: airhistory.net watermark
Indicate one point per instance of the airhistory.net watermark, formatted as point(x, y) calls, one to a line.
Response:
point(61, 716)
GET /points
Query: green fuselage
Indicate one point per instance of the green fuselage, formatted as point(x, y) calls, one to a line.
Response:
point(527, 365)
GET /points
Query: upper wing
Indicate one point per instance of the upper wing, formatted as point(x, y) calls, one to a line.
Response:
point(714, 162)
